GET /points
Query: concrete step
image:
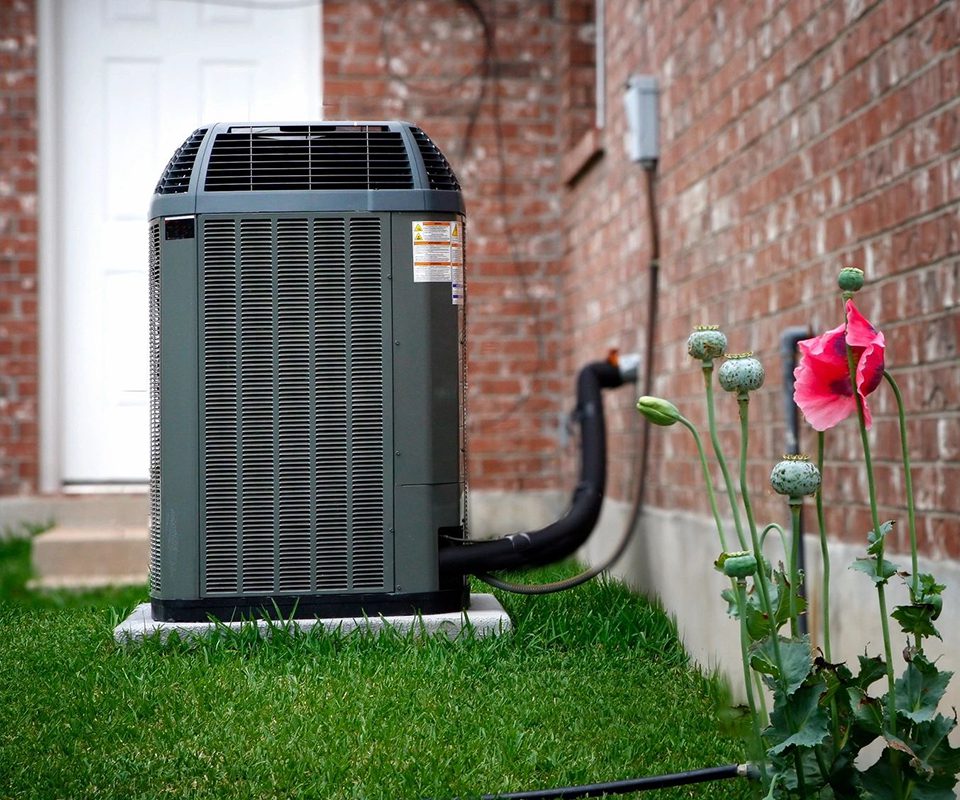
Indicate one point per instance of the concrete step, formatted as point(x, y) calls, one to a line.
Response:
point(88, 557)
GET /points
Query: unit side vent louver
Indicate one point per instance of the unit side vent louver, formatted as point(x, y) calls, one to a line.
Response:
point(292, 405)
point(439, 171)
point(176, 177)
point(154, 282)
point(308, 157)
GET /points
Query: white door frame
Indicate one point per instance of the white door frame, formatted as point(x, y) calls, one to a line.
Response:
point(49, 255)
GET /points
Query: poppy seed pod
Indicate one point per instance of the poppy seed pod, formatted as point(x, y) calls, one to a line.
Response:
point(850, 279)
point(706, 343)
point(741, 373)
point(795, 477)
point(658, 410)
point(742, 564)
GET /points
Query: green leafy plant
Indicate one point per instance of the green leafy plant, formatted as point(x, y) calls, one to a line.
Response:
point(824, 713)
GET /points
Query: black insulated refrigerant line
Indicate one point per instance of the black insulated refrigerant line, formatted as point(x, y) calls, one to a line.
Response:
point(561, 538)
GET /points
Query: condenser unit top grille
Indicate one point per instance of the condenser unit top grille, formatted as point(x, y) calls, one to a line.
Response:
point(308, 157)
point(438, 168)
point(239, 167)
point(176, 177)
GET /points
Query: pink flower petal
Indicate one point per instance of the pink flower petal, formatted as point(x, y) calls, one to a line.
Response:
point(823, 389)
point(823, 411)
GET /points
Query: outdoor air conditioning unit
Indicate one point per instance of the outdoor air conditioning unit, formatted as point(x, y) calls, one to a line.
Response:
point(306, 359)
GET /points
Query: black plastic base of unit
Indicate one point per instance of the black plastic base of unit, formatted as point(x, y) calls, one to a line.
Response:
point(310, 606)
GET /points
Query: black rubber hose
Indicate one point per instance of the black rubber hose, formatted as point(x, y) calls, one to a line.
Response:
point(561, 538)
point(633, 785)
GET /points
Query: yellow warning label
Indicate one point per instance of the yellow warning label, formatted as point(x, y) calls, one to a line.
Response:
point(432, 256)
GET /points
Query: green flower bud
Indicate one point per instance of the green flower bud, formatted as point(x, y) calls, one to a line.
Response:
point(706, 343)
point(795, 477)
point(741, 564)
point(850, 279)
point(741, 373)
point(658, 410)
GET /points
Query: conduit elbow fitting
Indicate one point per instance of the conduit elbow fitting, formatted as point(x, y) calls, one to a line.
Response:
point(628, 365)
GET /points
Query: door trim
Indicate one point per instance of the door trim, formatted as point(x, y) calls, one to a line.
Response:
point(48, 246)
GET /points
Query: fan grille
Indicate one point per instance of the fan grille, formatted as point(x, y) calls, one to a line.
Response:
point(176, 176)
point(439, 171)
point(308, 157)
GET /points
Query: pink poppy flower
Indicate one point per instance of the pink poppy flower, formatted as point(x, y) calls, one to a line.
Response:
point(822, 386)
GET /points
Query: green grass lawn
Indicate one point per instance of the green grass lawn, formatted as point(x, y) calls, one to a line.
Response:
point(593, 685)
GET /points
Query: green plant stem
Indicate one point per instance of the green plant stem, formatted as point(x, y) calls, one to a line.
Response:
point(765, 716)
point(824, 553)
point(706, 478)
point(825, 591)
point(908, 485)
point(780, 531)
point(881, 591)
point(743, 402)
point(797, 543)
point(718, 452)
point(741, 586)
point(761, 577)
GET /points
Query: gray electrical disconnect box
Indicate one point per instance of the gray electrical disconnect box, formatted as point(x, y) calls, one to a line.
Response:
point(641, 100)
point(306, 357)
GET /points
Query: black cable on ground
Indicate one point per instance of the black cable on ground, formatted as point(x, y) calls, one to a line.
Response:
point(634, 785)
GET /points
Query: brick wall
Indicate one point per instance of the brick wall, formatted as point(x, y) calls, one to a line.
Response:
point(796, 137)
point(18, 248)
point(495, 109)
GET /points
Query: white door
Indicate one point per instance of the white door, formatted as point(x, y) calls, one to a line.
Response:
point(134, 78)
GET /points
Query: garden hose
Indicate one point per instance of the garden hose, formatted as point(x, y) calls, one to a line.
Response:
point(725, 772)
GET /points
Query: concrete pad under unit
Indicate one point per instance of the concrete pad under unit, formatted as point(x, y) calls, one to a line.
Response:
point(485, 617)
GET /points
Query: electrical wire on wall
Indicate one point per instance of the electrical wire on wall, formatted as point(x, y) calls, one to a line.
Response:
point(636, 511)
point(399, 26)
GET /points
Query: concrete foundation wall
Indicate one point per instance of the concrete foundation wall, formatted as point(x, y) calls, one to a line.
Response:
point(672, 558)
point(495, 513)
